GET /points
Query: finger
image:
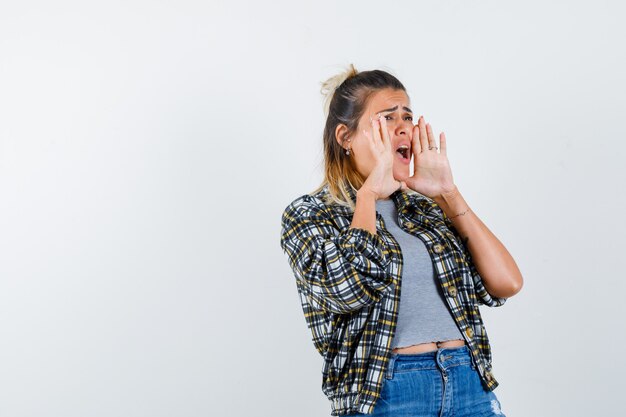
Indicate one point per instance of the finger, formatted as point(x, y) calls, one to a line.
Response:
point(431, 137)
point(385, 133)
point(416, 146)
point(378, 141)
point(442, 143)
point(423, 136)
point(370, 141)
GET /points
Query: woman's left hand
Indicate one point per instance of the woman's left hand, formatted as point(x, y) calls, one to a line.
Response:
point(432, 175)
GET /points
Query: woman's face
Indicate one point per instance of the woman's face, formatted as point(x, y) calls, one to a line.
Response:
point(395, 106)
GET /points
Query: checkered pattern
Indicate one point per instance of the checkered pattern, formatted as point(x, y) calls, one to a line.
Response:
point(348, 282)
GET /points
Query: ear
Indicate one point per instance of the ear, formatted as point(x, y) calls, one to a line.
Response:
point(341, 133)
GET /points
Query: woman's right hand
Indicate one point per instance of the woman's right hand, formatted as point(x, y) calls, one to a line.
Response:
point(381, 181)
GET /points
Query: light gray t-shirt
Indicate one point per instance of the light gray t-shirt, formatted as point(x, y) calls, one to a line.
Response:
point(423, 313)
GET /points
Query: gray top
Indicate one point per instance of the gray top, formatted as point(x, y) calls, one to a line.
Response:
point(423, 314)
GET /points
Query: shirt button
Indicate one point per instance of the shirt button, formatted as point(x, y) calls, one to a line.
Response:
point(469, 332)
point(438, 248)
point(452, 291)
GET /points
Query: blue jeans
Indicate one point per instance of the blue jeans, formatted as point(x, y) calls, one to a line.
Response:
point(439, 383)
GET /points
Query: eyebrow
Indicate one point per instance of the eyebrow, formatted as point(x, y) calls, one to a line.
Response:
point(394, 108)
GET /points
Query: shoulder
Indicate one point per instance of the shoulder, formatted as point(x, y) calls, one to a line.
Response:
point(306, 205)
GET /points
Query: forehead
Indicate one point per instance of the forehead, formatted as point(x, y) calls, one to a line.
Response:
point(388, 98)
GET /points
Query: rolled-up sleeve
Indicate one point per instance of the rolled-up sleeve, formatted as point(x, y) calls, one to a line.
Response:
point(481, 292)
point(338, 270)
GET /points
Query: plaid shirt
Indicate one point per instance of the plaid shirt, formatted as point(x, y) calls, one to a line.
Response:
point(348, 281)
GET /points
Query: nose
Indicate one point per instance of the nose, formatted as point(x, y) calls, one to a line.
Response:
point(405, 128)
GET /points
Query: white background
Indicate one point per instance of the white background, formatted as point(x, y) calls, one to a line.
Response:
point(147, 150)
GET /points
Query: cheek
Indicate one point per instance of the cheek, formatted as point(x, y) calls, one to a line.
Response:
point(363, 155)
point(360, 145)
point(400, 170)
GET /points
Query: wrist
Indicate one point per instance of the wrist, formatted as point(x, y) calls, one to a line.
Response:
point(366, 193)
point(452, 203)
point(448, 196)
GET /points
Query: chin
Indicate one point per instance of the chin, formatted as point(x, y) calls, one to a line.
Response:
point(401, 173)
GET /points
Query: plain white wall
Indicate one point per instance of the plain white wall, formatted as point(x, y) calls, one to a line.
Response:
point(147, 150)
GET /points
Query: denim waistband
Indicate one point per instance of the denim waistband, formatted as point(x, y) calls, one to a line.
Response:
point(442, 358)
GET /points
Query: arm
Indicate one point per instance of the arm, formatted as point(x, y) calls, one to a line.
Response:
point(339, 271)
point(365, 212)
point(495, 269)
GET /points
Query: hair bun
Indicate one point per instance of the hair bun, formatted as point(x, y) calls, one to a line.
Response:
point(330, 85)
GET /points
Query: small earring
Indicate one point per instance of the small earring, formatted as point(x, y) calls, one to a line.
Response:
point(348, 151)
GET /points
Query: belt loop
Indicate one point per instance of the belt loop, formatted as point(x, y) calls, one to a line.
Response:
point(392, 360)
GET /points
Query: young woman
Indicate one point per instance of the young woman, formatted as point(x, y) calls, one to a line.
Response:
point(391, 267)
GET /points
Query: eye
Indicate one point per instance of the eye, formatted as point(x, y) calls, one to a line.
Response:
point(406, 118)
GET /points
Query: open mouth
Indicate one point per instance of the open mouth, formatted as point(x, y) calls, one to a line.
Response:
point(404, 152)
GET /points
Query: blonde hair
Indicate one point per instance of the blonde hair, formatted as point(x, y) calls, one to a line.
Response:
point(345, 99)
point(330, 85)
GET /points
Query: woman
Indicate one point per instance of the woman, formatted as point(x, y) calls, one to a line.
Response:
point(392, 267)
